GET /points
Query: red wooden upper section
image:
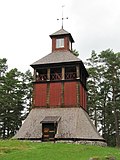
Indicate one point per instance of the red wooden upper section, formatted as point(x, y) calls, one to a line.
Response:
point(60, 77)
point(59, 94)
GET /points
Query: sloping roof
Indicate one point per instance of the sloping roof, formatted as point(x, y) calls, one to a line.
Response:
point(57, 57)
point(51, 119)
point(62, 32)
point(74, 123)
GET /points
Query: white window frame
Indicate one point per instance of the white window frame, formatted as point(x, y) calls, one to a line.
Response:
point(60, 43)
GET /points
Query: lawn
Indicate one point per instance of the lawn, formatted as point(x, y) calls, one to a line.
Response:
point(24, 150)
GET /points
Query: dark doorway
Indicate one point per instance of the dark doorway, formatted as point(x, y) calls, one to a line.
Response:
point(49, 128)
point(48, 131)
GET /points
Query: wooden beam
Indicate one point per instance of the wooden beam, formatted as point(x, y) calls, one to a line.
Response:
point(78, 72)
point(34, 75)
point(48, 74)
point(48, 95)
point(78, 94)
point(63, 73)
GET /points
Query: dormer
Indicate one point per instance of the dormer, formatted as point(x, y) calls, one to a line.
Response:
point(61, 40)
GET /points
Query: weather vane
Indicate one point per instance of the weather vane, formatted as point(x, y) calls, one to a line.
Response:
point(62, 19)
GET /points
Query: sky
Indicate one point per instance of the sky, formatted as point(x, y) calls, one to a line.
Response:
point(25, 26)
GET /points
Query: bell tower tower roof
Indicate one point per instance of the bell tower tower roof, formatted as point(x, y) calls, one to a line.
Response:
point(62, 32)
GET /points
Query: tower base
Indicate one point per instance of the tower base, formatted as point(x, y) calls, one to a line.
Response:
point(71, 125)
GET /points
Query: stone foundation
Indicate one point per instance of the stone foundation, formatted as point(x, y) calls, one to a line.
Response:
point(97, 143)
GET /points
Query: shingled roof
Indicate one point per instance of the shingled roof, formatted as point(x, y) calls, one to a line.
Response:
point(62, 32)
point(57, 57)
point(74, 123)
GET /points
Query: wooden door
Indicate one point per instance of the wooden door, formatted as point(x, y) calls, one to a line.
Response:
point(48, 131)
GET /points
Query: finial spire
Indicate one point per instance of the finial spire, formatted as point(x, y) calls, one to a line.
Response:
point(62, 17)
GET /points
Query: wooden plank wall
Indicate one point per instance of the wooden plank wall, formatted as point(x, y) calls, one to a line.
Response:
point(40, 94)
point(70, 94)
point(59, 95)
point(55, 94)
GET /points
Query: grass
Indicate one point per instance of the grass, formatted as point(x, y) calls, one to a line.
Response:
point(24, 150)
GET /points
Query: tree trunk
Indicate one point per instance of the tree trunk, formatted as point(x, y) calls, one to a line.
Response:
point(116, 121)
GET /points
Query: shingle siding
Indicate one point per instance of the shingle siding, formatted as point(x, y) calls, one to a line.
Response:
point(74, 123)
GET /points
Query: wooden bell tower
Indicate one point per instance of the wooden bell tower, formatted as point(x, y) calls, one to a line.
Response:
point(60, 77)
point(59, 97)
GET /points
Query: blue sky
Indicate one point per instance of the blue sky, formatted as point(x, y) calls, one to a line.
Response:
point(25, 26)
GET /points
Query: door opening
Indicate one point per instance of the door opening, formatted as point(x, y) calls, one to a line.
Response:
point(49, 128)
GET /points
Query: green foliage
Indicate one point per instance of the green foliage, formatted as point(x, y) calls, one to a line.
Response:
point(93, 99)
point(3, 66)
point(17, 150)
point(75, 52)
point(103, 94)
point(15, 94)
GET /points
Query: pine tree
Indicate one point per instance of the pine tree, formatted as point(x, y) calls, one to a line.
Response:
point(93, 96)
point(103, 94)
point(111, 75)
point(15, 91)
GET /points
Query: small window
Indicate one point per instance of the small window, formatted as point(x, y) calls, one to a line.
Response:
point(60, 43)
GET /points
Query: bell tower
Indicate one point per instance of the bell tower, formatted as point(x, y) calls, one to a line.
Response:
point(60, 77)
point(59, 97)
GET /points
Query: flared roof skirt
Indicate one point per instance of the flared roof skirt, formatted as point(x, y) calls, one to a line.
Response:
point(74, 123)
